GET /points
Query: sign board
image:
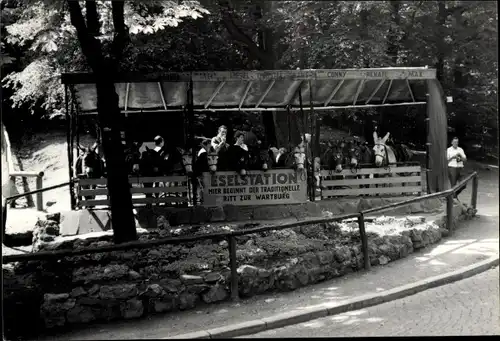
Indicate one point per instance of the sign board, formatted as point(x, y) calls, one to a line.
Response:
point(274, 187)
point(449, 99)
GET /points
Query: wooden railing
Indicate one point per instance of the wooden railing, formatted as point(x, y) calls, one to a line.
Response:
point(374, 181)
point(178, 193)
point(231, 235)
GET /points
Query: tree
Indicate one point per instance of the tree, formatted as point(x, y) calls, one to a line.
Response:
point(103, 32)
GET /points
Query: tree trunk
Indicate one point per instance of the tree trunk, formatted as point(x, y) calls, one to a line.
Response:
point(441, 47)
point(392, 36)
point(123, 222)
point(110, 117)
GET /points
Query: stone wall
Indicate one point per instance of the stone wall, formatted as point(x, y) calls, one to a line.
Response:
point(135, 283)
point(148, 217)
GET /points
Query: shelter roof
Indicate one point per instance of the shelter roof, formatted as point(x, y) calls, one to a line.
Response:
point(259, 90)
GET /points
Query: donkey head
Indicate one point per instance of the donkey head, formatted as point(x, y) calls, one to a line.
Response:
point(379, 149)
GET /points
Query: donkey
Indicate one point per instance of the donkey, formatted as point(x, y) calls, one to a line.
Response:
point(386, 155)
point(89, 165)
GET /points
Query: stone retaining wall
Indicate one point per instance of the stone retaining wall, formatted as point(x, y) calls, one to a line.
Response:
point(147, 217)
point(131, 284)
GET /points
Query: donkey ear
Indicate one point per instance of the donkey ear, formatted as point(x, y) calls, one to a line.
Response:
point(375, 137)
point(94, 146)
point(386, 137)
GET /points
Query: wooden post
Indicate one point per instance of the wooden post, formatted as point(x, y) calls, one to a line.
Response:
point(39, 195)
point(427, 145)
point(312, 121)
point(194, 184)
point(234, 268)
point(69, 138)
point(304, 125)
point(475, 185)
point(449, 212)
point(364, 241)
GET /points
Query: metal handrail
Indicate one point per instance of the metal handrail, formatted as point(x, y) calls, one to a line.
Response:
point(231, 235)
point(424, 197)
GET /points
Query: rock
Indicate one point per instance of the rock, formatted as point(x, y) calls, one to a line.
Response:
point(134, 275)
point(187, 300)
point(118, 291)
point(172, 286)
point(312, 231)
point(54, 307)
point(77, 292)
point(162, 305)
point(46, 238)
point(92, 274)
point(55, 298)
point(191, 279)
point(80, 314)
point(54, 217)
point(383, 260)
point(154, 254)
point(212, 277)
point(325, 257)
point(198, 288)
point(153, 291)
point(215, 294)
point(342, 254)
point(132, 309)
point(248, 270)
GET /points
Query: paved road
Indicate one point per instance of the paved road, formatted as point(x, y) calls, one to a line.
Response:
point(467, 307)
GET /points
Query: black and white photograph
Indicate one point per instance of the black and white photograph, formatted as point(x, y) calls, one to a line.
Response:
point(196, 169)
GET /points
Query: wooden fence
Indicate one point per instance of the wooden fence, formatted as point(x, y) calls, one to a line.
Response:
point(396, 180)
point(177, 191)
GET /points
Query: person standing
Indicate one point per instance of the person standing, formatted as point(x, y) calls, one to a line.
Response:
point(456, 158)
point(219, 142)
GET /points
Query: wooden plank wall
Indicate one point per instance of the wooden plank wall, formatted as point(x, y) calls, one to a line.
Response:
point(176, 193)
point(396, 180)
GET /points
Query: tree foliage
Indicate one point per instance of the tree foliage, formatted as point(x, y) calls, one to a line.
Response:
point(458, 38)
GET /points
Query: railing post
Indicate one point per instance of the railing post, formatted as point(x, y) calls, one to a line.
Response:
point(475, 185)
point(364, 240)
point(234, 268)
point(39, 195)
point(449, 211)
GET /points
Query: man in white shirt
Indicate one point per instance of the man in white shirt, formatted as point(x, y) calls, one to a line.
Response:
point(456, 158)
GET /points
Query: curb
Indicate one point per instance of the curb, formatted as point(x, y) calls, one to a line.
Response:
point(291, 318)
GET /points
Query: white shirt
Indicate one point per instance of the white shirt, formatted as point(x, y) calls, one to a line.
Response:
point(451, 151)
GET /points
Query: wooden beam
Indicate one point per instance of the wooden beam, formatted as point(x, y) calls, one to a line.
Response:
point(334, 92)
point(387, 92)
point(217, 90)
point(333, 107)
point(269, 87)
point(409, 88)
point(358, 91)
point(375, 91)
point(247, 89)
point(160, 88)
point(127, 89)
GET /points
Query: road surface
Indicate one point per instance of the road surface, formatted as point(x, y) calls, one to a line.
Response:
point(467, 307)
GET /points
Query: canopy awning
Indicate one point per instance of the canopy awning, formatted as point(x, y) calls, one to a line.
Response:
point(259, 90)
